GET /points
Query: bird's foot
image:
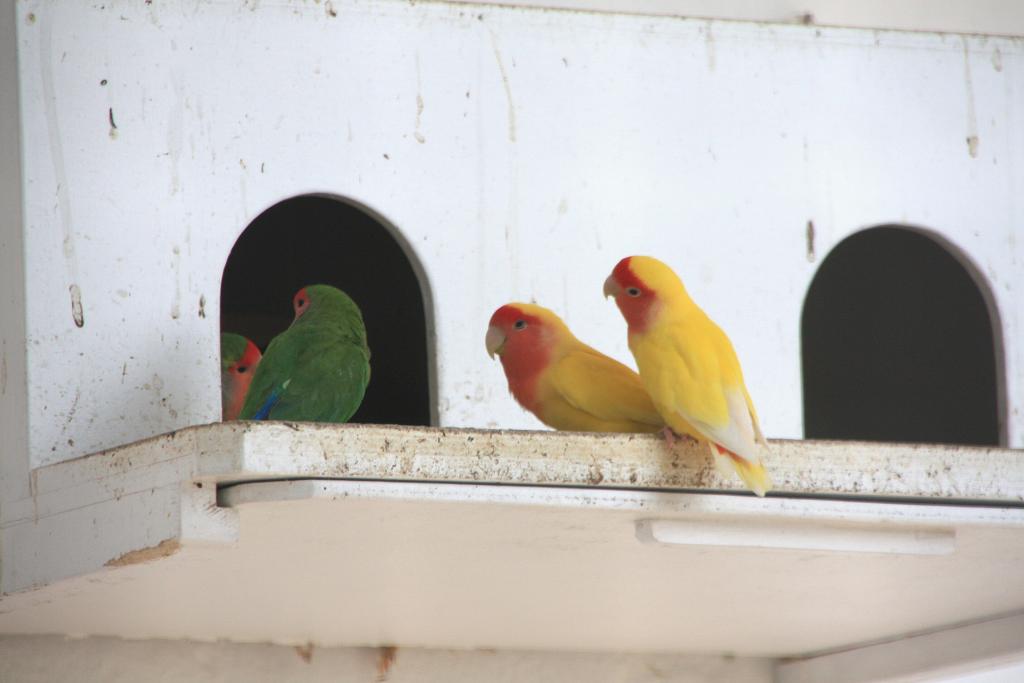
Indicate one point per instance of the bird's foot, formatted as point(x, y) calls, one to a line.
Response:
point(385, 660)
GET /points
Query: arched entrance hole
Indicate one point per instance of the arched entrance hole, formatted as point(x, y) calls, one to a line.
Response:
point(899, 343)
point(322, 240)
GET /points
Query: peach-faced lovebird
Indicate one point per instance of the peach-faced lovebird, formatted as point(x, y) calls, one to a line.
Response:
point(238, 360)
point(561, 380)
point(316, 370)
point(688, 366)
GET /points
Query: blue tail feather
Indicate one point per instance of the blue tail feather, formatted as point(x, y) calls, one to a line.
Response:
point(272, 400)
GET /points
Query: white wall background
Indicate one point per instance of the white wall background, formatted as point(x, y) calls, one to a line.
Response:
point(521, 153)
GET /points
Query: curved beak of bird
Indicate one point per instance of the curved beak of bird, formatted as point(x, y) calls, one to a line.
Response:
point(611, 287)
point(495, 341)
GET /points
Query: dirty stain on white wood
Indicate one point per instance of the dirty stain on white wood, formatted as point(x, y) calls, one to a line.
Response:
point(43, 659)
point(246, 450)
point(76, 306)
point(803, 123)
point(162, 549)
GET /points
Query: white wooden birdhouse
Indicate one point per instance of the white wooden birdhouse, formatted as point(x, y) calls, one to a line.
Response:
point(845, 203)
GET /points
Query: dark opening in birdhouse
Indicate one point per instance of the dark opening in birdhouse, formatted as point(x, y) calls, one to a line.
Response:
point(323, 240)
point(900, 343)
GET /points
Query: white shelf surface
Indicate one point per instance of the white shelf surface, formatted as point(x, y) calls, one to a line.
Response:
point(448, 538)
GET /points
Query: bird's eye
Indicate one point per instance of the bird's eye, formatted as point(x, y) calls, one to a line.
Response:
point(520, 324)
point(242, 368)
point(302, 302)
point(633, 291)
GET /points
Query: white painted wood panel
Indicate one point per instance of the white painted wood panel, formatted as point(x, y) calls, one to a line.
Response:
point(14, 417)
point(390, 523)
point(990, 651)
point(553, 143)
point(1000, 17)
point(473, 566)
point(110, 660)
point(520, 153)
point(140, 495)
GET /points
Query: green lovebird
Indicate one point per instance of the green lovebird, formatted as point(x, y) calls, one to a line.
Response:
point(316, 370)
point(239, 359)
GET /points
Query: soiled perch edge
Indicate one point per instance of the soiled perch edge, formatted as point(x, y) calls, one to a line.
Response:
point(244, 451)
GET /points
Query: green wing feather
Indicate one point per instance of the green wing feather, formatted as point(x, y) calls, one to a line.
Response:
point(315, 371)
point(327, 386)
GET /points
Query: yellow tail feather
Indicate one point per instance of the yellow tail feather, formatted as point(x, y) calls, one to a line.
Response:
point(753, 474)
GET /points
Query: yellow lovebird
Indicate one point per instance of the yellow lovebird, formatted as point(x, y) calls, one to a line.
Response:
point(688, 366)
point(565, 383)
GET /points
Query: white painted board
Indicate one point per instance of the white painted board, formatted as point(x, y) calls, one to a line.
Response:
point(43, 659)
point(549, 145)
point(161, 490)
point(474, 566)
point(579, 541)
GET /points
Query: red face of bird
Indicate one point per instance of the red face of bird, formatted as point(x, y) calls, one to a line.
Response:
point(512, 330)
point(634, 297)
point(243, 368)
point(300, 302)
point(523, 335)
